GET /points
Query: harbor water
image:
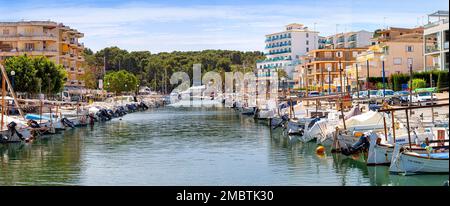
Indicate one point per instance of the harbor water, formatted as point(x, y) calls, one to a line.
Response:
point(186, 146)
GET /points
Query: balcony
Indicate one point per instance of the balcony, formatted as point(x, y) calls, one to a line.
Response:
point(436, 23)
point(29, 37)
point(81, 58)
point(351, 38)
point(433, 48)
point(325, 59)
point(81, 46)
point(31, 52)
point(274, 38)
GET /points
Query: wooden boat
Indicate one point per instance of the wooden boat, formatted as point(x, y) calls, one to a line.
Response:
point(411, 162)
point(380, 151)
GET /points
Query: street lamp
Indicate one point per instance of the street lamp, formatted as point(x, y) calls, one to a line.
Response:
point(339, 56)
point(283, 80)
point(13, 73)
point(329, 79)
point(383, 58)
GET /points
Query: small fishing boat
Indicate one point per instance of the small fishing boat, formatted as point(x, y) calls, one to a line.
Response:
point(412, 162)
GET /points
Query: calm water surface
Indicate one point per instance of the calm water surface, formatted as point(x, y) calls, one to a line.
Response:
point(187, 146)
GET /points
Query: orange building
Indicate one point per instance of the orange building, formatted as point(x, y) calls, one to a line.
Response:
point(319, 70)
point(45, 38)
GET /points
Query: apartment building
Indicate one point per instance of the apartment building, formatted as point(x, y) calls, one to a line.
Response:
point(435, 41)
point(400, 47)
point(356, 39)
point(284, 48)
point(319, 70)
point(45, 38)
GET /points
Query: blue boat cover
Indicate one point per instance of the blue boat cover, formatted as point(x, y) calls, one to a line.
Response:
point(443, 155)
point(36, 117)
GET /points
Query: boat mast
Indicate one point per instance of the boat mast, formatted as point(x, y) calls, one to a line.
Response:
point(11, 89)
point(3, 100)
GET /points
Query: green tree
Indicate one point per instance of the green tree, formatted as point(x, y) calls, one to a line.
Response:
point(52, 76)
point(418, 83)
point(24, 79)
point(31, 72)
point(120, 81)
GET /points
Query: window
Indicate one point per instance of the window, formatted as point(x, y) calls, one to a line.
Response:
point(409, 48)
point(29, 46)
point(307, 49)
point(410, 62)
point(307, 35)
point(5, 31)
point(307, 42)
point(397, 61)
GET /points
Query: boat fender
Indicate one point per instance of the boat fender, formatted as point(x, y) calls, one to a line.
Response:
point(429, 149)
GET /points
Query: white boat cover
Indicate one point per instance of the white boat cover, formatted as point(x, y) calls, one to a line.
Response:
point(368, 118)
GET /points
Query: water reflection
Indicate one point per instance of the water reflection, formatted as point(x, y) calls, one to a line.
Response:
point(45, 162)
point(186, 146)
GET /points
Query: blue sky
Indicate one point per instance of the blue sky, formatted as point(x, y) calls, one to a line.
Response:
point(212, 24)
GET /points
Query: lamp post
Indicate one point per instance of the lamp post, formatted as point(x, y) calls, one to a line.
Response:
point(321, 80)
point(13, 73)
point(357, 81)
point(340, 71)
point(329, 80)
point(367, 78)
point(382, 58)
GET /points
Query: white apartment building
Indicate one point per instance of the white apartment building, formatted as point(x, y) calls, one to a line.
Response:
point(357, 39)
point(435, 41)
point(284, 48)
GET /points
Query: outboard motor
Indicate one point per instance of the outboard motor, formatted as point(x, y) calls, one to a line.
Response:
point(66, 122)
point(374, 107)
point(33, 124)
point(13, 130)
point(92, 118)
point(144, 106)
point(279, 122)
point(362, 145)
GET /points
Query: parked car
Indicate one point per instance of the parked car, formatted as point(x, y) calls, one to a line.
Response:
point(400, 97)
point(362, 95)
point(423, 98)
point(387, 95)
point(314, 94)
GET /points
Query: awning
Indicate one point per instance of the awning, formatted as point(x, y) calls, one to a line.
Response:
point(430, 89)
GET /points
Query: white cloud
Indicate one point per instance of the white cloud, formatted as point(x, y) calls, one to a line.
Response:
point(165, 28)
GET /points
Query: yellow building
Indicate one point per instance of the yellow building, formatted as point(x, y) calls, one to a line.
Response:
point(45, 38)
point(401, 47)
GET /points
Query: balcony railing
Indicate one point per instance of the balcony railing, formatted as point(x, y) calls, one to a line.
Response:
point(433, 48)
point(433, 24)
point(273, 38)
point(351, 38)
point(279, 45)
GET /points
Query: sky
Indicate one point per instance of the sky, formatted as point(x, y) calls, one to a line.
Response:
point(177, 25)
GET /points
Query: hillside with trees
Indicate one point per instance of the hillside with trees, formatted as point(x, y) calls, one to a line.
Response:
point(154, 70)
